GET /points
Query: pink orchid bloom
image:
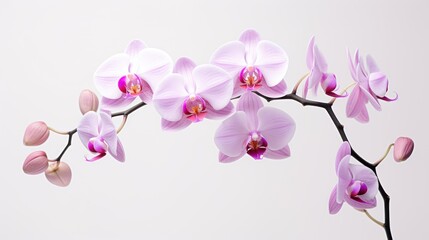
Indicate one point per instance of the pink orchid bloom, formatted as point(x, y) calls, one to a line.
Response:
point(256, 130)
point(357, 185)
point(255, 64)
point(193, 93)
point(97, 133)
point(318, 67)
point(370, 86)
point(134, 73)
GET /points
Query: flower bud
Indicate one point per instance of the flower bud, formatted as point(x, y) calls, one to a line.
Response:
point(59, 173)
point(403, 148)
point(36, 134)
point(88, 101)
point(35, 163)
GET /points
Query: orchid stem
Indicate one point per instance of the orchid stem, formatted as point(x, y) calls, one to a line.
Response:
point(372, 218)
point(295, 88)
point(342, 92)
point(56, 131)
point(71, 133)
point(385, 155)
point(124, 120)
point(340, 129)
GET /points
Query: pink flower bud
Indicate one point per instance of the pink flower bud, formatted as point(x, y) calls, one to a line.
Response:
point(403, 148)
point(88, 101)
point(35, 163)
point(36, 134)
point(59, 173)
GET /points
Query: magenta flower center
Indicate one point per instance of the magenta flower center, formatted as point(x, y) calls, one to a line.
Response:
point(194, 108)
point(130, 84)
point(256, 146)
point(356, 189)
point(250, 78)
point(97, 145)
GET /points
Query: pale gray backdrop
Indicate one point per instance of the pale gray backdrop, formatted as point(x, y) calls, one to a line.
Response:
point(171, 185)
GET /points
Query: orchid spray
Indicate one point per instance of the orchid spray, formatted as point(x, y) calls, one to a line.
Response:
point(249, 69)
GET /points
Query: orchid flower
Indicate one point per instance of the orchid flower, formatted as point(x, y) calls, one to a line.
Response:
point(134, 73)
point(97, 133)
point(256, 130)
point(318, 67)
point(370, 86)
point(254, 64)
point(357, 185)
point(193, 93)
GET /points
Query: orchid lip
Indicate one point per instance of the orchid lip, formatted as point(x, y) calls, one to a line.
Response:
point(250, 78)
point(356, 189)
point(97, 145)
point(256, 146)
point(194, 108)
point(130, 84)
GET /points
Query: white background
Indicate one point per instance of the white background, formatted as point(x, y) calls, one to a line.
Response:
point(171, 185)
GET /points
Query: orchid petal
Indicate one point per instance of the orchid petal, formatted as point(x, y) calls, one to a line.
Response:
point(362, 76)
point(231, 136)
point(221, 113)
point(281, 153)
point(356, 58)
point(134, 47)
point(107, 75)
point(362, 116)
point(319, 60)
point(227, 159)
point(231, 57)
point(355, 102)
point(237, 90)
point(276, 126)
point(108, 131)
point(153, 65)
point(250, 39)
point(176, 125)
point(147, 94)
point(120, 153)
point(378, 83)
point(169, 97)
point(305, 89)
point(88, 127)
point(184, 66)
point(250, 103)
point(334, 206)
point(352, 66)
point(278, 90)
point(314, 78)
point(372, 66)
point(273, 62)
point(109, 104)
point(213, 84)
point(310, 53)
point(344, 150)
point(372, 99)
point(344, 178)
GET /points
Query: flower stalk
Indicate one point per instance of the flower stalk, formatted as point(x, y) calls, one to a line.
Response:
point(340, 128)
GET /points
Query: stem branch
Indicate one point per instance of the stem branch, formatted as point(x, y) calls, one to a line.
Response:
point(340, 128)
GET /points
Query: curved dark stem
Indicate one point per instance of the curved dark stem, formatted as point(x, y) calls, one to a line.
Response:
point(130, 110)
point(71, 133)
point(340, 128)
